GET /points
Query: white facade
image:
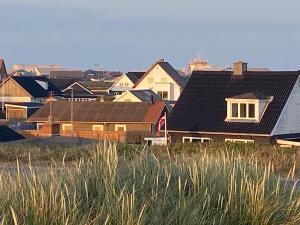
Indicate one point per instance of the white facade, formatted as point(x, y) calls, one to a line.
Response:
point(289, 120)
point(122, 84)
point(158, 80)
point(127, 97)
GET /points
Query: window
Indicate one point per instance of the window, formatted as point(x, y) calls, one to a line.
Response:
point(241, 110)
point(97, 127)
point(163, 80)
point(251, 112)
point(196, 139)
point(120, 128)
point(127, 100)
point(241, 141)
point(66, 127)
point(150, 80)
point(235, 110)
point(121, 84)
point(163, 94)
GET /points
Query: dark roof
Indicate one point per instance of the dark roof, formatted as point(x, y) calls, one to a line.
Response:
point(7, 134)
point(33, 88)
point(63, 83)
point(135, 76)
point(145, 95)
point(180, 80)
point(251, 95)
point(67, 73)
point(202, 107)
point(101, 112)
point(78, 91)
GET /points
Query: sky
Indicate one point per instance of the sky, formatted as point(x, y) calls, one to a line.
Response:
point(129, 35)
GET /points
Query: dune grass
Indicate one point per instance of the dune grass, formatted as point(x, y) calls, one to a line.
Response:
point(110, 187)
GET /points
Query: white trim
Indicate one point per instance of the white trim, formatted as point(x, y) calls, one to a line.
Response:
point(235, 140)
point(22, 106)
point(120, 126)
point(69, 87)
point(190, 139)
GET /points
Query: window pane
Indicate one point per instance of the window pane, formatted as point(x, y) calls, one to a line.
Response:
point(234, 110)
point(251, 109)
point(243, 112)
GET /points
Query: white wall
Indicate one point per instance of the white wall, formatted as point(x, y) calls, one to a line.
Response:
point(289, 120)
point(123, 79)
point(126, 96)
point(157, 73)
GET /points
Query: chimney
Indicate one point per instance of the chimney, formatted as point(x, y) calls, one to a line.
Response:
point(239, 68)
point(161, 60)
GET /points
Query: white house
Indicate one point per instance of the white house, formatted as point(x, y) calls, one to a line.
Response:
point(125, 82)
point(164, 80)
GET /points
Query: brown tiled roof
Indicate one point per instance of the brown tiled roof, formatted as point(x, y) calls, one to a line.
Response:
point(101, 112)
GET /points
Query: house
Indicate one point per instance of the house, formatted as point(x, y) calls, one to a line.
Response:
point(100, 120)
point(237, 106)
point(125, 82)
point(26, 89)
point(72, 88)
point(37, 69)
point(7, 134)
point(3, 72)
point(164, 80)
point(139, 96)
point(21, 110)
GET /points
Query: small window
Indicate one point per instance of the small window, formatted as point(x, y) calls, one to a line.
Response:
point(66, 127)
point(127, 100)
point(163, 80)
point(196, 140)
point(150, 80)
point(240, 141)
point(97, 127)
point(121, 84)
point(251, 110)
point(235, 110)
point(163, 94)
point(243, 110)
point(126, 84)
point(120, 128)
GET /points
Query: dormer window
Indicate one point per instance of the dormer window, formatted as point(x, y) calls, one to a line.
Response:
point(248, 107)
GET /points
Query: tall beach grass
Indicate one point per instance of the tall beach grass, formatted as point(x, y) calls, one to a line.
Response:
point(110, 188)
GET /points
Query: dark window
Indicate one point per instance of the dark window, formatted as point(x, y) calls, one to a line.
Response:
point(251, 110)
point(243, 110)
point(163, 94)
point(234, 110)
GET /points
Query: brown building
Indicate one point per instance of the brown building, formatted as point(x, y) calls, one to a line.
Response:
point(118, 121)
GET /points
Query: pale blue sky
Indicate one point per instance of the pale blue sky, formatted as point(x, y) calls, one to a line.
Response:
point(132, 34)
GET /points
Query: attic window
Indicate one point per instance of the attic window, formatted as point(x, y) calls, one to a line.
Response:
point(249, 107)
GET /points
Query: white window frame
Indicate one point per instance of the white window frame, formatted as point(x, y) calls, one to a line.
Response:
point(190, 139)
point(64, 125)
point(256, 117)
point(234, 140)
point(96, 126)
point(120, 125)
